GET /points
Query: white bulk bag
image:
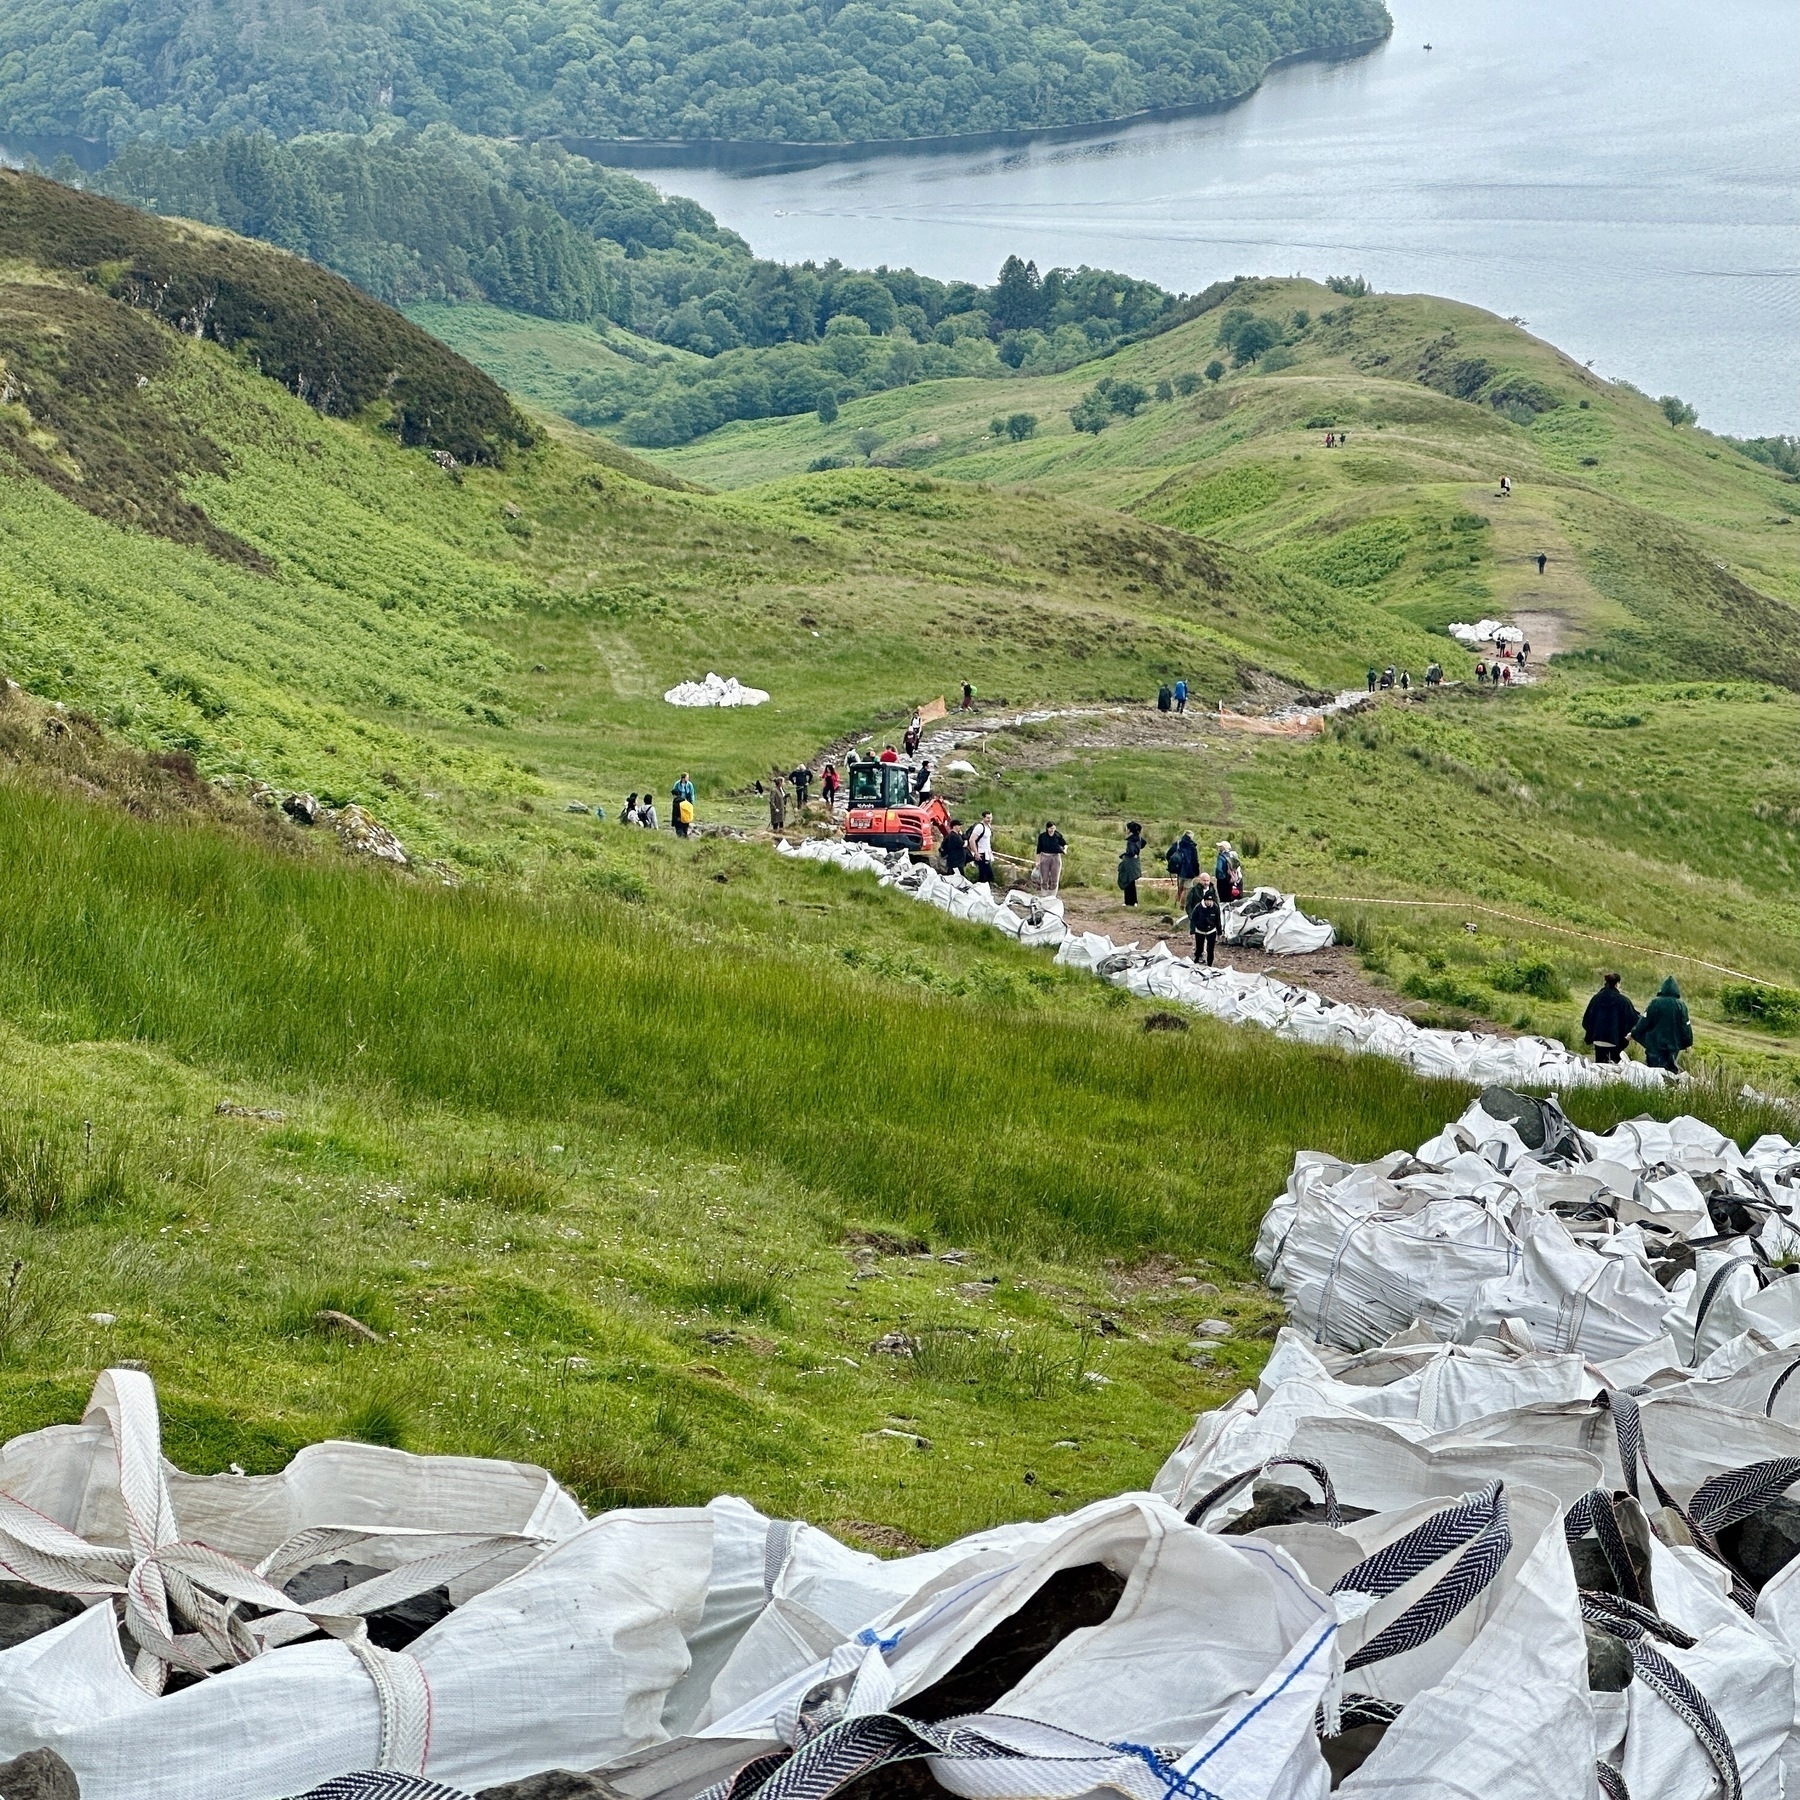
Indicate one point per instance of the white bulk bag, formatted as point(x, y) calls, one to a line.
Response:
point(571, 1657)
point(1493, 1701)
point(1216, 1646)
point(1744, 1673)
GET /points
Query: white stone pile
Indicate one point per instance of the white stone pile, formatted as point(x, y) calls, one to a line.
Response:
point(715, 690)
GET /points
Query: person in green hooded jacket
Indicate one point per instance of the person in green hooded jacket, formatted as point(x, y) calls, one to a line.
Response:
point(1665, 1030)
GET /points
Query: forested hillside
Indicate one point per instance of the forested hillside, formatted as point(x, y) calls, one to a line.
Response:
point(433, 217)
point(813, 72)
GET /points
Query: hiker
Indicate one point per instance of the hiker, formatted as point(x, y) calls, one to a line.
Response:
point(1542, 559)
point(1131, 862)
point(968, 704)
point(1406, 681)
point(681, 804)
point(801, 777)
point(1387, 678)
point(1506, 675)
point(1181, 694)
point(1505, 487)
point(921, 783)
point(1205, 918)
point(1165, 698)
point(1481, 674)
point(915, 730)
point(1434, 674)
point(828, 787)
point(1228, 872)
point(1183, 862)
point(981, 848)
point(1665, 1030)
point(1052, 846)
point(777, 800)
point(1608, 1021)
point(1371, 681)
point(647, 812)
point(629, 815)
point(955, 849)
point(889, 754)
point(1524, 651)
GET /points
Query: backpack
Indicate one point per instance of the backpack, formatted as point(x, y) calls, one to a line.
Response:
point(684, 812)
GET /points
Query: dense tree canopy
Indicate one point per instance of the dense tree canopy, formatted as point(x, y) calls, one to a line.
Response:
point(806, 70)
point(440, 216)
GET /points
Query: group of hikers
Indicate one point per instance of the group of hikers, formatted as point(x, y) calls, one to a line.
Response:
point(640, 809)
point(968, 850)
point(1173, 697)
point(1387, 678)
point(1499, 671)
point(1612, 1022)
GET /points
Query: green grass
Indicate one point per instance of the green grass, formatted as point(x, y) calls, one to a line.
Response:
point(629, 1188)
point(630, 1151)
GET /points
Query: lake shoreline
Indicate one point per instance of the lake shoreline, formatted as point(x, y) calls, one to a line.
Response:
point(770, 156)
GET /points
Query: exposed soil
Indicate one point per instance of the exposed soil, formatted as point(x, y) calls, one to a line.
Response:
point(1336, 973)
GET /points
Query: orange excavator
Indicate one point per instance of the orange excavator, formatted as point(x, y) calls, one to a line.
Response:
point(885, 815)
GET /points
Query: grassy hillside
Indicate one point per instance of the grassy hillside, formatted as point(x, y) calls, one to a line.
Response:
point(1638, 796)
point(631, 1182)
point(631, 1151)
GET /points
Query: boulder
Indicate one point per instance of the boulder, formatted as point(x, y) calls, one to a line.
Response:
point(1608, 1660)
point(25, 1611)
point(393, 1627)
point(38, 1775)
point(303, 809)
point(1762, 1545)
point(368, 837)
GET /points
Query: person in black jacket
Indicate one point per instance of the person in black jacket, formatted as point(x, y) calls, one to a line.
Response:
point(1131, 863)
point(1204, 918)
point(1608, 1021)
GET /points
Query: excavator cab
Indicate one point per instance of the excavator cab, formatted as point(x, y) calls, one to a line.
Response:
point(879, 785)
point(885, 814)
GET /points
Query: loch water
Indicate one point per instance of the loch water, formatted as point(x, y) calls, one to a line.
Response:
point(1625, 178)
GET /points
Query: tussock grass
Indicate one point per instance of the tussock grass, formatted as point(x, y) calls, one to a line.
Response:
point(481, 1003)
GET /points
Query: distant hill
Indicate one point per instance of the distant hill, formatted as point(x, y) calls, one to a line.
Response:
point(808, 70)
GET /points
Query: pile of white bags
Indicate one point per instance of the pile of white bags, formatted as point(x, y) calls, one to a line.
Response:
point(1296, 1012)
point(1423, 1569)
point(1034, 919)
point(1559, 1576)
point(1487, 631)
point(715, 690)
point(1267, 919)
point(1477, 1057)
point(1512, 1222)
